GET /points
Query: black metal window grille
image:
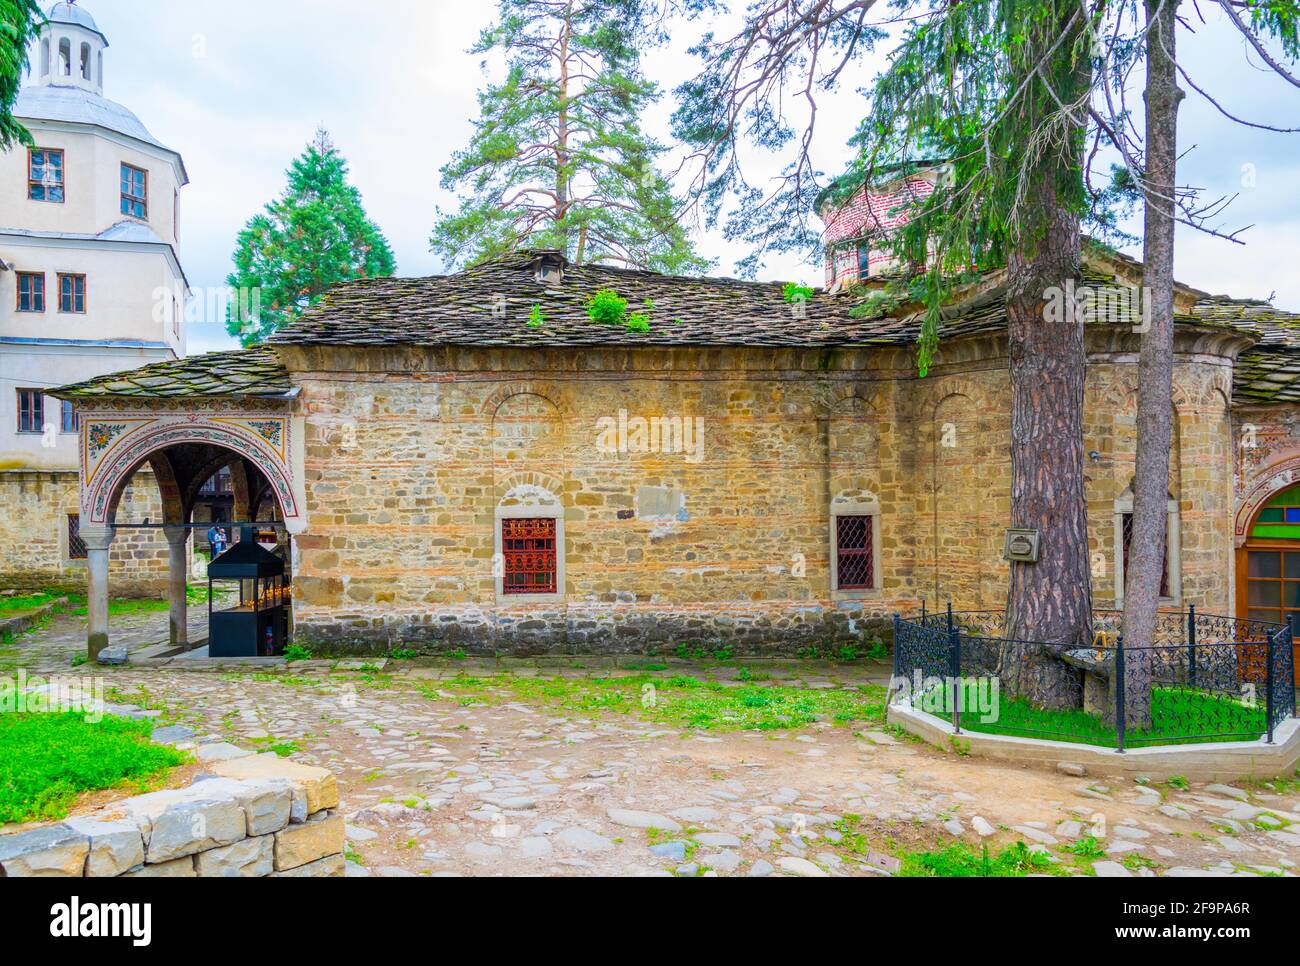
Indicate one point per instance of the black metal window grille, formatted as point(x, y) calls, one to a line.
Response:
point(76, 546)
point(1127, 523)
point(854, 567)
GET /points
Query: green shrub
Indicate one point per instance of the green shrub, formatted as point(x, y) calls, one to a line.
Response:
point(607, 307)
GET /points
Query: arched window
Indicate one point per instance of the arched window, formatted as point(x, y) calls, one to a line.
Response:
point(99, 69)
point(45, 57)
point(85, 61)
point(1272, 561)
point(65, 57)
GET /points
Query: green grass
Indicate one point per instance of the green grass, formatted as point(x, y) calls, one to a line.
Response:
point(681, 702)
point(26, 602)
point(195, 594)
point(1178, 716)
point(48, 760)
point(962, 860)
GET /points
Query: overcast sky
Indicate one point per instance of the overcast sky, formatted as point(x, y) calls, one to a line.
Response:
point(239, 86)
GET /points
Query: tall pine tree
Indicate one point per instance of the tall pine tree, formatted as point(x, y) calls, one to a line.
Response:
point(19, 21)
point(312, 236)
point(558, 159)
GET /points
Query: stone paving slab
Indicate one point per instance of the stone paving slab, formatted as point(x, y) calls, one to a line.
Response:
point(428, 784)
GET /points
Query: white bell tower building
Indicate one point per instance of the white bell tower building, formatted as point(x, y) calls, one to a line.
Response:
point(91, 281)
point(71, 50)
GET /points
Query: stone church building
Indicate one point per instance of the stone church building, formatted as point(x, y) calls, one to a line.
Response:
point(472, 461)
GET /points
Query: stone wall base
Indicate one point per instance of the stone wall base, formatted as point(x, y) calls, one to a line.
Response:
point(593, 629)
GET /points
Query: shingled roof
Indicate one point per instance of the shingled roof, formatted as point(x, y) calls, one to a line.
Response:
point(247, 372)
point(1268, 372)
point(490, 305)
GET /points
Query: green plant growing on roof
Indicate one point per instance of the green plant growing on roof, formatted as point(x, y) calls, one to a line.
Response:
point(535, 319)
point(607, 307)
point(795, 292)
point(638, 322)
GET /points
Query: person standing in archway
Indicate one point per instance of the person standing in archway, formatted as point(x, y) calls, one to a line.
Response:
point(216, 540)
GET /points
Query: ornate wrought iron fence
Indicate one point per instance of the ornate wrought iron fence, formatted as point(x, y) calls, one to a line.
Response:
point(1202, 677)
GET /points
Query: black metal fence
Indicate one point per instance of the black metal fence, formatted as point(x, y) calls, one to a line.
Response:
point(1202, 677)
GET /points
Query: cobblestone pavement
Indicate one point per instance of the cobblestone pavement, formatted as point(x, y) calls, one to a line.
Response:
point(437, 783)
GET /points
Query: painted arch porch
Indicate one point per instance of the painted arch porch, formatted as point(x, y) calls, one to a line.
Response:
point(184, 443)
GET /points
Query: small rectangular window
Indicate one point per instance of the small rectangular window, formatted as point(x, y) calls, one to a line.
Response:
point(855, 567)
point(864, 259)
point(528, 545)
point(1128, 539)
point(68, 421)
point(45, 174)
point(135, 191)
point(76, 546)
point(72, 293)
point(31, 411)
point(31, 291)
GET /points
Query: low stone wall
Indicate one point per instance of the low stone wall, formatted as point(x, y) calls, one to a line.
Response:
point(20, 622)
point(591, 628)
point(248, 815)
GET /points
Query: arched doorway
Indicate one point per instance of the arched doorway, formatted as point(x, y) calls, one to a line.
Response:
point(184, 470)
point(1268, 564)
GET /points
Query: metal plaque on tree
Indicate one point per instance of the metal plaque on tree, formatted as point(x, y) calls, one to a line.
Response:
point(1020, 544)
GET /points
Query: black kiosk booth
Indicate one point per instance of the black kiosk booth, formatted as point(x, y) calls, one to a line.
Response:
point(259, 624)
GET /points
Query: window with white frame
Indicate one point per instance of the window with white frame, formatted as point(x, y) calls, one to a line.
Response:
point(1170, 579)
point(528, 563)
point(855, 547)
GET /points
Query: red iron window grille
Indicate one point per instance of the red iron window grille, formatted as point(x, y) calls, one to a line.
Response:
point(854, 567)
point(1127, 521)
point(528, 545)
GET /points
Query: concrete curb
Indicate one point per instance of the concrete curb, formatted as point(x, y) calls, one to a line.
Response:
point(1220, 761)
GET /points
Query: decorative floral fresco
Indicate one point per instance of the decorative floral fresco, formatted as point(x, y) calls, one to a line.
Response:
point(253, 438)
point(272, 430)
point(99, 435)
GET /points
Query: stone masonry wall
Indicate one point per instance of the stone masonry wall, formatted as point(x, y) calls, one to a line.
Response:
point(255, 815)
point(34, 508)
point(413, 455)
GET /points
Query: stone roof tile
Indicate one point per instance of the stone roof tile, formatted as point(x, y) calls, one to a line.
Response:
point(243, 372)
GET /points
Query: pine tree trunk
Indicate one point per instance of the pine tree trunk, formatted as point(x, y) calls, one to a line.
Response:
point(1049, 602)
point(1145, 567)
point(562, 136)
